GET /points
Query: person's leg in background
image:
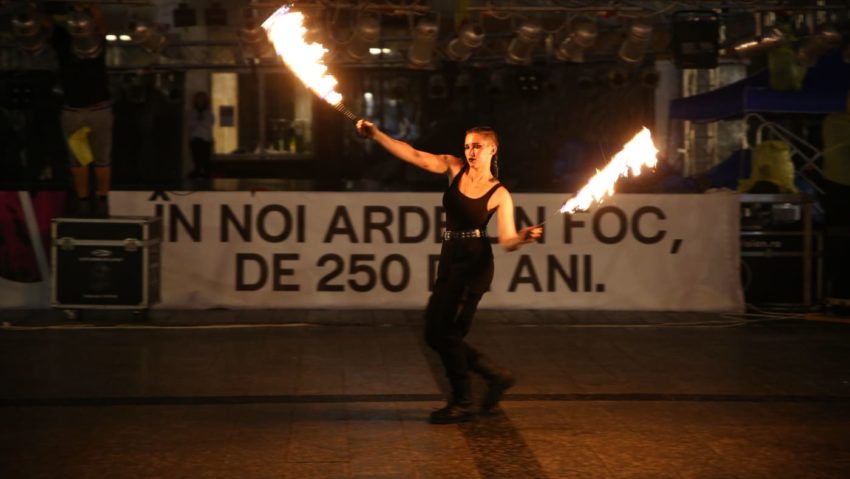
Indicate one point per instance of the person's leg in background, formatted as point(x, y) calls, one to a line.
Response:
point(80, 205)
point(196, 148)
point(101, 146)
point(206, 158)
point(80, 174)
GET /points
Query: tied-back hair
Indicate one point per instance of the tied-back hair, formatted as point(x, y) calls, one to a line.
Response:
point(489, 132)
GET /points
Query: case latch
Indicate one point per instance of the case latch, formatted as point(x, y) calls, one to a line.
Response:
point(132, 244)
point(65, 243)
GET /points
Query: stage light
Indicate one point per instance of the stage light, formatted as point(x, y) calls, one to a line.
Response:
point(146, 37)
point(366, 33)
point(583, 36)
point(215, 15)
point(421, 52)
point(586, 82)
point(31, 32)
point(496, 84)
point(637, 40)
point(528, 83)
point(522, 46)
point(649, 78)
point(469, 38)
point(554, 80)
point(761, 44)
point(816, 45)
point(184, 16)
point(617, 77)
point(254, 39)
point(437, 87)
point(695, 39)
point(463, 84)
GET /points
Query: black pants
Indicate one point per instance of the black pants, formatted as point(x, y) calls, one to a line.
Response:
point(201, 155)
point(448, 317)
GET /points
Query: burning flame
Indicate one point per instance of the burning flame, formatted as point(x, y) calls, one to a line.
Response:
point(286, 32)
point(639, 151)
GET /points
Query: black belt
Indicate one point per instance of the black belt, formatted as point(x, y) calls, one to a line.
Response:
point(452, 235)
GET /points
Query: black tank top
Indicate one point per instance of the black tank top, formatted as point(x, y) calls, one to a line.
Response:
point(464, 213)
point(85, 82)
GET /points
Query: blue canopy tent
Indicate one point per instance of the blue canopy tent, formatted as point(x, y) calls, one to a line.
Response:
point(825, 89)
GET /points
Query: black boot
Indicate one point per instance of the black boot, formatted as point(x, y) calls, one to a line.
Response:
point(498, 380)
point(459, 408)
point(101, 207)
point(82, 208)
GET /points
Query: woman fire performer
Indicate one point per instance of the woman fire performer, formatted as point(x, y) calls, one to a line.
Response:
point(466, 261)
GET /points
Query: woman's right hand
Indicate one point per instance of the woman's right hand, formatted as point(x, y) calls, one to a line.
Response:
point(365, 128)
point(530, 234)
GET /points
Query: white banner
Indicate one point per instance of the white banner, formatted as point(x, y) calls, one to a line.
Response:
point(379, 250)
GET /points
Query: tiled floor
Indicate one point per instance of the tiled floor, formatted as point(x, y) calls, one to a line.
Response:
point(345, 394)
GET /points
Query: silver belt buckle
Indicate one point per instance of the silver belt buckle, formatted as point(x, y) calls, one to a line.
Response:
point(450, 235)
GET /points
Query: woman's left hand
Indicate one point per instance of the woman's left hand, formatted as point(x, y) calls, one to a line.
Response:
point(530, 234)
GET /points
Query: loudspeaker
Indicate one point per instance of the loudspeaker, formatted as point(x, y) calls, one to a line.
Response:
point(773, 267)
point(695, 39)
point(776, 280)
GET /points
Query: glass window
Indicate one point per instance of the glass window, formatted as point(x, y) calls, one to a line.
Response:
point(267, 113)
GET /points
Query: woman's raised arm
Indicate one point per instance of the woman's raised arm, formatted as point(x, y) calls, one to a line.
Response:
point(442, 164)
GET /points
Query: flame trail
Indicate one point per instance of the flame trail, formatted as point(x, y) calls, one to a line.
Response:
point(639, 151)
point(286, 31)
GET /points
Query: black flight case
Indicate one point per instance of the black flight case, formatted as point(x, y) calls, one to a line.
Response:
point(108, 263)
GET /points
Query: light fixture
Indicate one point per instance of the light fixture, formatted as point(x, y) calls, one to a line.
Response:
point(816, 45)
point(421, 52)
point(496, 84)
point(366, 33)
point(696, 34)
point(86, 42)
point(437, 87)
point(617, 77)
point(528, 82)
point(31, 32)
point(554, 80)
point(379, 51)
point(469, 37)
point(184, 16)
point(463, 84)
point(649, 78)
point(254, 39)
point(522, 46)
point(586, 82)
point(633, 48)
point(582, 36)
point(761, 44)
point(147, 37)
